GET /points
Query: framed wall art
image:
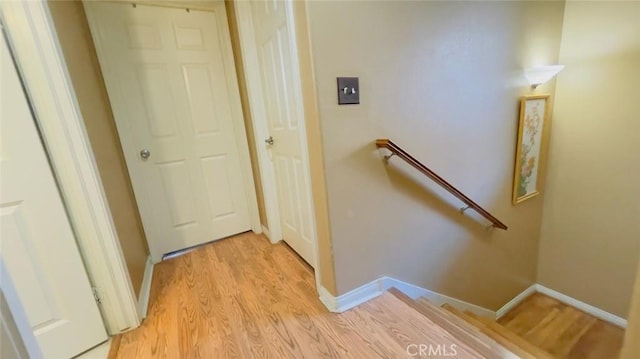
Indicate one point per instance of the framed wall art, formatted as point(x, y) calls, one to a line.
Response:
point(530, 149)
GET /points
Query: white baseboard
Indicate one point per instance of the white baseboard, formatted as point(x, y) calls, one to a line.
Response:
point(515, 301)
point(145, 289)
point(376, 287)
point(587, 308)
point(266, 233)
point(438, 299)
point(350, 299)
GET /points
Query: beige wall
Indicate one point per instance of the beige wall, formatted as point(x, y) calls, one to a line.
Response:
point(591, 227)
point(442, 79)
point(79, 52)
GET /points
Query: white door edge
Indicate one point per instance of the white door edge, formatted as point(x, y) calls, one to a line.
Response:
point(297, 82)
point(258, 113)
point(241, 133)
point(33, 39)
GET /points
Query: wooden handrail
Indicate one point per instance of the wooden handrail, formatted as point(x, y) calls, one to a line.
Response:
point(396, 150)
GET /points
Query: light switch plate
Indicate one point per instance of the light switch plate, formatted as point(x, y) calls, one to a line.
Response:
point(348, 91)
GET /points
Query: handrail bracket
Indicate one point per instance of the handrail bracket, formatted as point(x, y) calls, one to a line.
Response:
point(395, 150)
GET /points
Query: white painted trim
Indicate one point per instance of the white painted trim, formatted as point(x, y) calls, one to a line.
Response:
point(297, 91)
point(587, 308)
point(265, 232)
point(438, 299)
point(376, 287)
point(41, 62)
point(145, 289)
point(515, 301)
point(258, 117)
point(350, 299)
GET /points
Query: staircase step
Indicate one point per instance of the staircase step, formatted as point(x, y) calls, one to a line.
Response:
point(460, 329)
point(513, 337)
point(512, 342)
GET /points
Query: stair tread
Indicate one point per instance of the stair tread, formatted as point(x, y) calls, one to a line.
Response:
point(511, 336)
point(403, 327)
point(518, 350)
point(460, 329)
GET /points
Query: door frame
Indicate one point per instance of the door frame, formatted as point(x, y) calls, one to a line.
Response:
point(33, 41)
point(234, 96)
point(258, 118)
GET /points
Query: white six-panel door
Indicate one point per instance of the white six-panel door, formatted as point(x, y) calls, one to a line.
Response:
point(38, 247)
point(166, 71)
point(284, 117)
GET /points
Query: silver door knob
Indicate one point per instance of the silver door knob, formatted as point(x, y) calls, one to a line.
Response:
point(145, 153)
point(269, 141)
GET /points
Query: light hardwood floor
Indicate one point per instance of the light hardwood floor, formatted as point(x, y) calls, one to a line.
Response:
point(242, 297)
point(563, 330)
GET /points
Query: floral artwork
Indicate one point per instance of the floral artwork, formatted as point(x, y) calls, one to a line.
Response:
point(530, 137)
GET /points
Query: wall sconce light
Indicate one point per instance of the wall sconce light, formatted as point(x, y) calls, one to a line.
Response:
point(541, 74)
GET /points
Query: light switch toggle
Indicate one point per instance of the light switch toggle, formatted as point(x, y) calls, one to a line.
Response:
point(348, 91)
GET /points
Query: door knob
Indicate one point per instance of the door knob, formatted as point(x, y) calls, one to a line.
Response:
point(269, 141)
point(145, 153)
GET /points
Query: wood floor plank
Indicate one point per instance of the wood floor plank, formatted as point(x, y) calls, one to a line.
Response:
point(562, 330)
point(529, 314)
point(243, 297)
point(536, 351)
point(469, 334)
point(509, 344)
point(115, 345)
point(570, 338)
point(420, 329)
point(602, 340)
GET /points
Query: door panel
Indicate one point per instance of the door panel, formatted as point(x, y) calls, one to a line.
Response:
point(38, 244)
point(165, 73)
point(284, 113)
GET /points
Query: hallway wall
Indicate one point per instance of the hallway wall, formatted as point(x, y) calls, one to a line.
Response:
point(443, 80)
point(591, 225)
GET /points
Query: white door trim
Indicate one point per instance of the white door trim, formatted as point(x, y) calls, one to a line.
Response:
point(258, 117)
point(40, 60)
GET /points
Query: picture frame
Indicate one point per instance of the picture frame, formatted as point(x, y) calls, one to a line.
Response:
point(531, 148)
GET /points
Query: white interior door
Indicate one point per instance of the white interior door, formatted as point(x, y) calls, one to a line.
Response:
point(285, 124)
point(166, 71)
point(38, 248)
